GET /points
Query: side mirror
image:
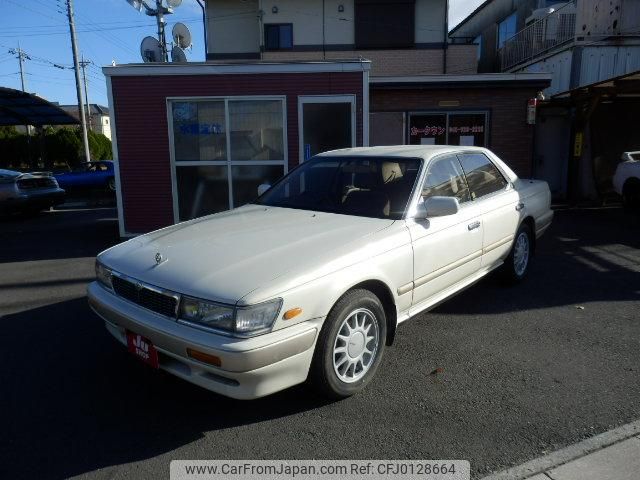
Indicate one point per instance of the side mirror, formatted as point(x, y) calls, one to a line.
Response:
point(437, 207)
point(263, 188)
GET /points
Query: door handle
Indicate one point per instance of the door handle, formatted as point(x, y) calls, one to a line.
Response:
point(519, 206)
point(473, 226)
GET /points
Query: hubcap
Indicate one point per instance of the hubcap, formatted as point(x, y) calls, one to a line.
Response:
point(356, 345)
point(521, 254)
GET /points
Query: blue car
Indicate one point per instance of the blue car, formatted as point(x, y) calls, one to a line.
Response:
point(98, 175)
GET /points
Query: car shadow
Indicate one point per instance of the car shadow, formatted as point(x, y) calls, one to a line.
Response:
point(74, 401)
point(588, 255)
point(57, 234)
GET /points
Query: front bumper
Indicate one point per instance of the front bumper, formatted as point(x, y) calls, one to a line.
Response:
point(250, 367)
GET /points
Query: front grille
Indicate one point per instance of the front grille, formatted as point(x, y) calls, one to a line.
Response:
point(145, 297)
point(38, 182)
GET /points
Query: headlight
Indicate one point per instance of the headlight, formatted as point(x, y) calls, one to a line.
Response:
point(243, 320)
point(257, 318)
point(208, 314)
point(103, 275)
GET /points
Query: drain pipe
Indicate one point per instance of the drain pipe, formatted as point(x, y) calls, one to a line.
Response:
point(205, 27)
point(446, 37)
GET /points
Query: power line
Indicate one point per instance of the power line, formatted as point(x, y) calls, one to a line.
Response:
point(34, 11)
point(142, 23)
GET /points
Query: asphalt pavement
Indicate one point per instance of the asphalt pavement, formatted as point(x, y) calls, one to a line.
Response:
point(497, 375)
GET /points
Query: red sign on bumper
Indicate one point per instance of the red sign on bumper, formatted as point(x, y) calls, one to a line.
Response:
point(143, 349)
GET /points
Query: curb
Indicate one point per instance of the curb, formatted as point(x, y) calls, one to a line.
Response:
point(567, 454)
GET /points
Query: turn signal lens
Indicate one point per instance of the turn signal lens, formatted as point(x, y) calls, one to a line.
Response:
point(294, 312)
point(204, 357)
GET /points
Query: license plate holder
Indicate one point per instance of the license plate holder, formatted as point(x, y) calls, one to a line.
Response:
point(143, 349)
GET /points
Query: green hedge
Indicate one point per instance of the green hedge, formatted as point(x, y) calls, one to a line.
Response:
point(62, 146)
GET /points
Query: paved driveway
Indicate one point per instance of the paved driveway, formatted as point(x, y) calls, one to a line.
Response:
point(524, 370)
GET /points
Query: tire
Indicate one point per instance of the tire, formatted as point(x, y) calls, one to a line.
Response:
point(516, 265)
point(342, 342)
point(631, 196)
point(111, 185)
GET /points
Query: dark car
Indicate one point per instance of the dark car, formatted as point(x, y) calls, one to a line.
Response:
point(97, 175)
point(28, 192)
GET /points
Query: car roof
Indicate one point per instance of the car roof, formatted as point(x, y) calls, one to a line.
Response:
point(9, 173)
point(400, 151)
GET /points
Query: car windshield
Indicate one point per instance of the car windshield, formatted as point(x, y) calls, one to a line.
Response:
point(374, 187)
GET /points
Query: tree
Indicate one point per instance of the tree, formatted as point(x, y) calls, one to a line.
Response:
point(62, 145)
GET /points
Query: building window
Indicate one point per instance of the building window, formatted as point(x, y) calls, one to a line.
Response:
point(506, 29)
point(278, 36)
point(384, 24)
point(223, 149)
point(448, 128)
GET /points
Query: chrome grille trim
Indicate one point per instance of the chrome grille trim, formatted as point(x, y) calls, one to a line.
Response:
point(145, 295)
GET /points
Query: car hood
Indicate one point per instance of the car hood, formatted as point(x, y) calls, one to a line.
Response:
point(225, 256)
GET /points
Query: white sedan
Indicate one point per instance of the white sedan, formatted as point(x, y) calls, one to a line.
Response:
point(626, 180)
point(311, 280)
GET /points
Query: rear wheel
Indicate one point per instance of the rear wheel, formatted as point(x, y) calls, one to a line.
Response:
point(516, 266)
point(350, 345)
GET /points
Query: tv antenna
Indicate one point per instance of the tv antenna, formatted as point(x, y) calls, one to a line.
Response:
point(159, 11)
point(157, 51)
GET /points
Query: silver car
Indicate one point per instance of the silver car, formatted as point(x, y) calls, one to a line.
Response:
point(28, 192)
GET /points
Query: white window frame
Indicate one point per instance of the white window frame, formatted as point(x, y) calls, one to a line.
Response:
point(302, 99)
point(228, 162)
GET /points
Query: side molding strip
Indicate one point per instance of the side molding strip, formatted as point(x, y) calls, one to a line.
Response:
point(447, 268)
point(497, 244)
point(405, 288)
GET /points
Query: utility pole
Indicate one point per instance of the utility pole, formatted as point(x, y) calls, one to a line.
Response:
point(76, 67)
point(84, 64)
point(159, 12)
point(21, 56)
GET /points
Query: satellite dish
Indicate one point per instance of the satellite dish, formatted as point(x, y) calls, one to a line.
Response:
point(137, 4)
point(174, 3)
point(181, 35)
point(177, 55)
point(151, 50)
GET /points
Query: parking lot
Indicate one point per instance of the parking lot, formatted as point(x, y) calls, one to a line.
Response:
point(495, 375)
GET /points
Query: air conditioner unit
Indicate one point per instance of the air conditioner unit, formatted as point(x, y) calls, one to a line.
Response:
point(538, 14)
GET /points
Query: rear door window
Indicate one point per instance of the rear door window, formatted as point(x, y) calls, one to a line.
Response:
point(483, 177)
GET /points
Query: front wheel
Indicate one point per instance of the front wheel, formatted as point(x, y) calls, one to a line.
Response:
point(350, 345)
point(516, 266)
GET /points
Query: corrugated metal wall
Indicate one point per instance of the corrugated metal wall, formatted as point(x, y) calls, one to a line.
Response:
point(600, 63)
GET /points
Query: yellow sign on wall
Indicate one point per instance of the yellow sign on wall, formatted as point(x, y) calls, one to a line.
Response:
point(577, 144)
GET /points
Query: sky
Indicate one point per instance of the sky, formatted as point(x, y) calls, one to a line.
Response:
point(107, 30)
